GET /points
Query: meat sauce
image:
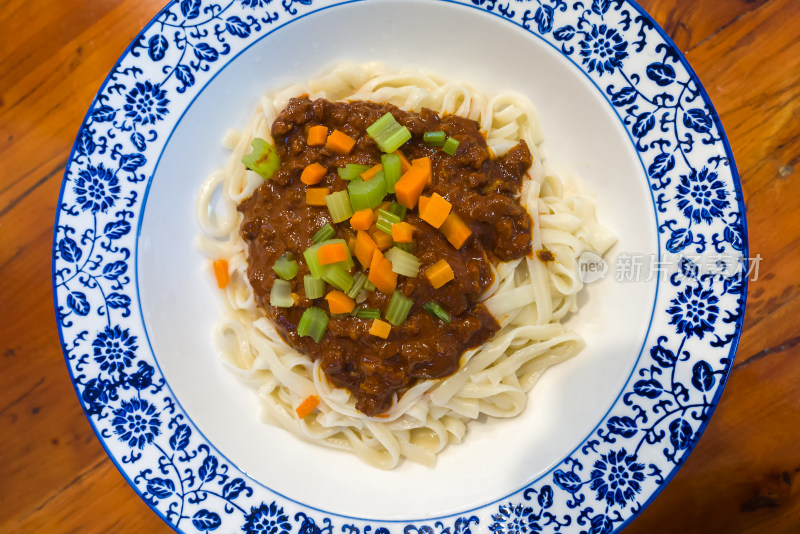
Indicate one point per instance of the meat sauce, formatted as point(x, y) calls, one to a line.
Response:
point(483, 191)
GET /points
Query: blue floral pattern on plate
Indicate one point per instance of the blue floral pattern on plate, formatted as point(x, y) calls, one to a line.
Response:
point(601, 485)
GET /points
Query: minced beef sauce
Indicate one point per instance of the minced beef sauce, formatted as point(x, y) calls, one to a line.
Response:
point(484, 193)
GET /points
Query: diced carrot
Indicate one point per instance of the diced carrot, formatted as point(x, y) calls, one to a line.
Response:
point(402, 232)
point(315, 196)
point(381, 273)
point(296, 298)
point(386, 280)
point(313, 174)
point(386, 205)
point(423, 202)
point(362, 219)
point(351, 245)
point(317, 135)
point(377, 259)
point(331, 253)
point(435, 211)
point(439, 274)
point(338, 302)
point(382, 239)
point(404, 163)
point(370, 173)
point(340, 142)
point(307, 406)
point(455, 230)
point(380, 328)
point(409, 187)
point(221, 273)
point(426, 164)
point(365, 247)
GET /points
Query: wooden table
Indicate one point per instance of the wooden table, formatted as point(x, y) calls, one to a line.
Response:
point(744, 476)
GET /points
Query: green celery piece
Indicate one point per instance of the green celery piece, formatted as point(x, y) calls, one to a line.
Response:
point(392, 170)
point(281, 294)
point(399, 306)
point(358, 284)
point(336, 276)
point(388, 133)
point(367, 313)
point(286, 267)
point(315, 287)
point(324, 233)
point(263, 159)
point(369, 194)
point(434, 138)
point(385, 221)
point(313, 323)
point(403, 262)
point(437, 311)
point(405, 247)
point(450, 146)
point(339, 206)
point(351, 171)
point(399, 210)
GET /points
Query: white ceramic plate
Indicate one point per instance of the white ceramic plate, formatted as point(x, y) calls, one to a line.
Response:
point(604, 431)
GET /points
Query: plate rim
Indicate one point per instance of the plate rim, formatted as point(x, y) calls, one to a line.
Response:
point(476, 5)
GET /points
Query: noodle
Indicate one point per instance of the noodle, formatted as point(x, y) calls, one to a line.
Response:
point(528, 297)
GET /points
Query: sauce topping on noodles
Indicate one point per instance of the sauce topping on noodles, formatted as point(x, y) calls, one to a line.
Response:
point(483, 191)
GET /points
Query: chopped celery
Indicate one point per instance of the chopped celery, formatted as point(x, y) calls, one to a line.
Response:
point(392, 170)
point(310, 255)
point(339, 206)
point(352, 171)
point(336, 276)
point(358, 284)
point(312, 261)
point(369, 286)
point(324, 233)
point(405, 247)
point(399, 210)
point(399, 306)
point(263, 159)
point(388, 133)
point(313, 323)
point(367, 195)
point(450, 146)
point(434, 138)
point(403, 262)
point(281, 294)
point(385, 221)
point(437, 311)
point(315, 287)
point(286, 267)
point(366, 313)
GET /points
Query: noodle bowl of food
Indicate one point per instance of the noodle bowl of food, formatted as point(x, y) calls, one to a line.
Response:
point(463, 327)
point(356, 297)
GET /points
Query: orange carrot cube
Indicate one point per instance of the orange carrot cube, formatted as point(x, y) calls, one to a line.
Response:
point(340, 143)
point(313, 174)
point(317, 135)
point(315, 196)
point(435, 210)
point(402, 232)
point(439, 273)
point(380, 329)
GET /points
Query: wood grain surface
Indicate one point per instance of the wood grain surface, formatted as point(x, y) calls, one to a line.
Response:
point(744, 475)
